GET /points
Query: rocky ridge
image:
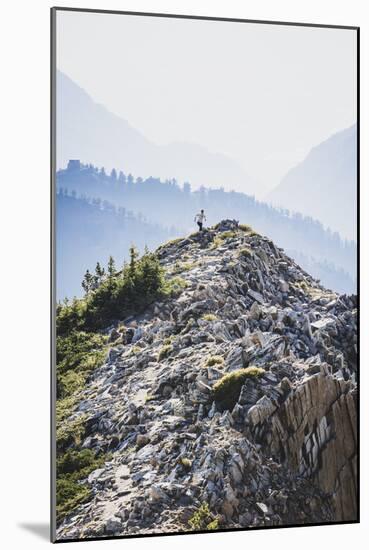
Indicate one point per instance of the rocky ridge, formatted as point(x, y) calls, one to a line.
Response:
point(283, 452)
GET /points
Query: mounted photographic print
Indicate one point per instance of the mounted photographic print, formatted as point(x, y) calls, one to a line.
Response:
point(204, 274)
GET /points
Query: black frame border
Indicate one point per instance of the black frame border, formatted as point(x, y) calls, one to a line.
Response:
point(53, 33)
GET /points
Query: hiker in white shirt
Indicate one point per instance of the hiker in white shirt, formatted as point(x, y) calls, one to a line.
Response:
point(199, 219)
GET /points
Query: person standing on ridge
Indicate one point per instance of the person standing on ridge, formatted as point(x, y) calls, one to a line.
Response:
point(199, 219)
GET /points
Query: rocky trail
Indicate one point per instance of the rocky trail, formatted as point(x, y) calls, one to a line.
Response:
point(275, 446)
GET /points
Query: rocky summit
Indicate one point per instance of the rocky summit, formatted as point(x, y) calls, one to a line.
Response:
point(231, 404)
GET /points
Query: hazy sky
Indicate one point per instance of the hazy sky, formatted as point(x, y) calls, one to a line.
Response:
point(262, 94)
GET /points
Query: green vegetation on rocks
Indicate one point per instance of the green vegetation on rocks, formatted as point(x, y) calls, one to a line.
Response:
point(175, 285)
point(227, 390)
point(186, 463)
point(180, 267)
point(165, 351)
point(214, 360)
point(77, 355)
point(172, 242)
point(203, 519)
point(227, 235)
point(80, 348)
point(210, 317)
point(246, 252)
point(245, 227)
point(117, 295)
point(72, 467)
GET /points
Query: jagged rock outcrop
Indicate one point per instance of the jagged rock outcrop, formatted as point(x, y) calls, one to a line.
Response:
point(314, 433)
point(280, 451)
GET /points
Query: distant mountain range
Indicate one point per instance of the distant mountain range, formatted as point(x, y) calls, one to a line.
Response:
point(89, 132)
point(324, 184)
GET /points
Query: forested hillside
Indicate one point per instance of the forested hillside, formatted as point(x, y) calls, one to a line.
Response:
point(89, 231)
point(164, 208)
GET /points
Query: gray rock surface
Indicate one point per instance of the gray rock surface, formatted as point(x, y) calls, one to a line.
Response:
point(284, 454)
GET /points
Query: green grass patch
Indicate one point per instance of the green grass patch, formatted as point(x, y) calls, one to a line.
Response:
point(72, 467)
point(170, 243)
point(165, 351)
point(186, 463)
point(176, 285)
point(78, 355)
point(217, 241)
point(180, 267)
point(210, 317)
point(203, 519)
point(226, 391)
point(245, 252)
point(227, 235)
point(244, 227)
point(214, 360)
point(70, 432)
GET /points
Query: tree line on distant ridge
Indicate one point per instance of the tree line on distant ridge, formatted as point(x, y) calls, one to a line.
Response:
point(173, 206)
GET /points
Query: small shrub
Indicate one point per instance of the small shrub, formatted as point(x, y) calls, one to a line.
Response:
point(213, 525)
point(214, 360)
point(245, 227)
point(175, 285)
point(246, 252)
point(302, 285)
point(209, 317)
point(203, 519)
point(70, 432)
point(227, 390)
point(69, 383)
point(171, 242)
point(217, 241)
point(186, 463)
point(64, 408)
point(80, 352)
point(191, 323)
point(227, 235)
point(72, 467)
point(179, 267)
point(149, 397)
point(69, 495)
point(165, 351)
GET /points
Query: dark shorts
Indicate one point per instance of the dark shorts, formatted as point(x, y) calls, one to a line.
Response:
point(200, 225)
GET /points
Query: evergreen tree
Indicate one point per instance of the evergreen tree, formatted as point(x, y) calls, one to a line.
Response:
point(187, 188)
point(111, 267)
point(99, 272)
point(113, 174)
point(122, 178)
point(133, 255)
point(87, 282)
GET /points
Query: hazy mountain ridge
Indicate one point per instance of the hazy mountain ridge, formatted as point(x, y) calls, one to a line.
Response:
point(324, 184)
point(172, 207)
point(88, 131)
